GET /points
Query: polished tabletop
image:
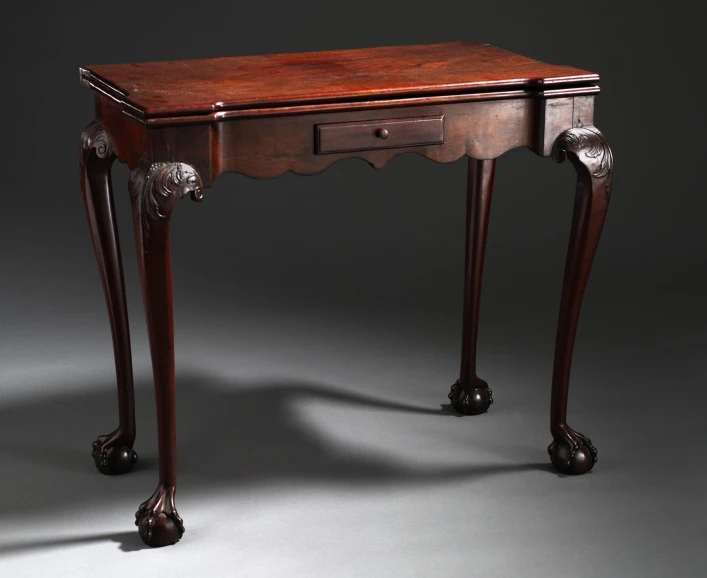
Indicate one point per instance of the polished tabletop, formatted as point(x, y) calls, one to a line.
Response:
point(201, 86)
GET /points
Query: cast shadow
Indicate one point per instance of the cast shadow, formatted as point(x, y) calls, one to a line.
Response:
point(231, 435)
point(127, 542)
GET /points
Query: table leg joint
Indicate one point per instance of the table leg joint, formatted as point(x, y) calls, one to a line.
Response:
point(589, 150)
point(157, 187)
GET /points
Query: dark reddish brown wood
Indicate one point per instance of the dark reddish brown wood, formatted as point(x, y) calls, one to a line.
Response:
point(203, 86)
point(383, 134)
point(130, 140)
point(471, 395)
point(589, 152)
point(543, 93)
point(155, 190)
point(483, 130)
point(178, 125)
point(113, 453)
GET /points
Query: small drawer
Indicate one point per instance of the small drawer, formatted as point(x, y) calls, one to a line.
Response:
point(379, 134)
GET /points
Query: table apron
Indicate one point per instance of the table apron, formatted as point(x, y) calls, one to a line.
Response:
point(267, 147)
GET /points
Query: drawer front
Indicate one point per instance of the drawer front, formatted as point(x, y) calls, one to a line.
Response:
point(379, 134)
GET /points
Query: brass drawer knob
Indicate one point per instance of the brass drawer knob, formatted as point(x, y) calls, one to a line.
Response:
point(382, 133)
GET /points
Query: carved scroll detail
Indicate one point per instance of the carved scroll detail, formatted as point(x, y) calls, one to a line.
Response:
point(156, 189)
point(95, 137)
point(591, 148)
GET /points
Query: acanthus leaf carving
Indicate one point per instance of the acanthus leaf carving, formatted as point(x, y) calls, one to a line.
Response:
point(156, 189)
point(95, 137)
point(591, 148)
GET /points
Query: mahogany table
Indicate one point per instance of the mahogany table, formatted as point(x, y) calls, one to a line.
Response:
point(180, 124)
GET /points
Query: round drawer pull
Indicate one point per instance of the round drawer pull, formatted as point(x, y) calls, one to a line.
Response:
point(382, 133)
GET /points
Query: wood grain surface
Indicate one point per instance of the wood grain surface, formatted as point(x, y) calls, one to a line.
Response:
point(202, 86)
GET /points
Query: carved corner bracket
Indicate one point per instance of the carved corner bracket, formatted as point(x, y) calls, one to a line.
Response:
point(95, 137)
point(588, 148)
point(157, 187)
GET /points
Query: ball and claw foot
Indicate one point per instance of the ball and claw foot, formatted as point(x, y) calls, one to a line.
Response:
point(571, 452)
point(473, 402)
point(114, 454)
point(157, 519)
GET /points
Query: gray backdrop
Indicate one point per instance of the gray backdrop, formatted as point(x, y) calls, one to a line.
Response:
point(297, 293)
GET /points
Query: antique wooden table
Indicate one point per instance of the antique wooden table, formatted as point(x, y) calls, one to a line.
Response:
point(180, 124)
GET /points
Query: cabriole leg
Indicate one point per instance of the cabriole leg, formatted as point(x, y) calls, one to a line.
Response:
point(113, 453)
point(155, 190)
point(571, 452)
point(470, 394)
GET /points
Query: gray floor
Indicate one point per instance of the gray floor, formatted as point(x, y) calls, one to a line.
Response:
point(323, 446)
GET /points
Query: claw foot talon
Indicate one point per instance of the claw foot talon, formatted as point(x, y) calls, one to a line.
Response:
point(472, 402)
point(114, 454)
point(572, 452)
point(157, 519)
